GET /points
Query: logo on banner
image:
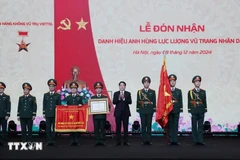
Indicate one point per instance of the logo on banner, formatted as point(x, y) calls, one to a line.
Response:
point(23, 45)
point(65, 24)
point(25, 146)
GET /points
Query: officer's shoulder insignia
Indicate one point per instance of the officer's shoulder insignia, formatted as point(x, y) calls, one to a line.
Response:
point(202, 89)
point(151, 89)
point(46, 93)
point(5, 94)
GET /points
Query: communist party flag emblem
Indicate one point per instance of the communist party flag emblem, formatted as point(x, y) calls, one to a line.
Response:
point(164, 102)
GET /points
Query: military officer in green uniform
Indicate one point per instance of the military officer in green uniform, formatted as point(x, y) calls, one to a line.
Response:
point(173, 116)
point(74, 99)
point(99, 120)
point(146, 106)
point(27, 108)
point(50, 100)
point(197, 107)
point(5, 109)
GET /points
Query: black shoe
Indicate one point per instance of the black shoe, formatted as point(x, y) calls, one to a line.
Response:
point(170, 143)
point(195, 143)
point(118, 144)
point(126, 144)
point(176, 144)
point(3, 144)
point(49, 144)
point(148, 143)
point(201, 144)
point(103, 144)
point(144, 143)
point(97, 144)
point(73, 144)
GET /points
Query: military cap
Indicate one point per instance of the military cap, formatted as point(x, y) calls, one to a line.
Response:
point(27, 85)
point(2, 85)
point(172, 77)
point(98, 85)
point(146, 78)
point(73, 85)
point(122, 82)
point(52, 82)
point(196, 78)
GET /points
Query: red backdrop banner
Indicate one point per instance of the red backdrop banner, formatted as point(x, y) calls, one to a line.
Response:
point(74, 46)
point(71, 118)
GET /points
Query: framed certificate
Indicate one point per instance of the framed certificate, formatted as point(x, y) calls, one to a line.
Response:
point(98, 106)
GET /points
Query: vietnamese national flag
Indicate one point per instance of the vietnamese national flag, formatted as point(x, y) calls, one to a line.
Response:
point(164, 102)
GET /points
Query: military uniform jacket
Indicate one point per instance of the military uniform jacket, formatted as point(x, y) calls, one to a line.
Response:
point(99, 116)
point(197, 102)
point(177, 101)
point(49, 104)
point(5, 105)
point(27, 106)
point(146, 101)
point(74, 100)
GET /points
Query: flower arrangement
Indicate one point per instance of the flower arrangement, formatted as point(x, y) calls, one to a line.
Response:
point(85, 93)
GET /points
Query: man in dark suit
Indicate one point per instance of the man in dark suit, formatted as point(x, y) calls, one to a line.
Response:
point(122, 99)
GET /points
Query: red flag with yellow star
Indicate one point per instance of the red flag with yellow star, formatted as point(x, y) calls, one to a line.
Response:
point(164, 102)
point(71, 118)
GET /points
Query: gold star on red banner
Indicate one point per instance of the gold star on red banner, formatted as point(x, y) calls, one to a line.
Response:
point(71, 117)
point(82, 24)
point(23, 46)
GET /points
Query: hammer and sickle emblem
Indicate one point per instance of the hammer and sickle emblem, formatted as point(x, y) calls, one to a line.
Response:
point(66, 26)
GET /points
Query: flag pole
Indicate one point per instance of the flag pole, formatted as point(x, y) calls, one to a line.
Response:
point(165, 127)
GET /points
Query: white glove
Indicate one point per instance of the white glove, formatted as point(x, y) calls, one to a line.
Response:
point(190, 115)
point(181, 114)
point(205, 114)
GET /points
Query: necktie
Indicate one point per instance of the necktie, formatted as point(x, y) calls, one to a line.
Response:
point(51, 93)
point(146, 90)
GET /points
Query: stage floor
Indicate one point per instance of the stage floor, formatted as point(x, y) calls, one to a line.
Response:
point(216, 148)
